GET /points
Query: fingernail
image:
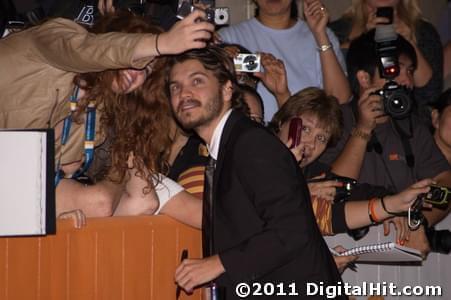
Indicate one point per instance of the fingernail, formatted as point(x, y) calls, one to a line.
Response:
point(398, 242)
point(402, 243)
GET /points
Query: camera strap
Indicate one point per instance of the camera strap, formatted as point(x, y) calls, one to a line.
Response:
point(88, 145)
point(405, 136)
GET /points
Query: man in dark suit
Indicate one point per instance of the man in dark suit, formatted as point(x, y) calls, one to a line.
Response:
point(261, 228)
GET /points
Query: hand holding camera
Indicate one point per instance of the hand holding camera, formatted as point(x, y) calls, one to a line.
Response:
point(186, 34)
point(379, 16)
point(401, 202)
point(274, 77)
point(323, 188)
point(214, 15)
point(436, 196)
point(370, 109)
point(387, 15)
point(342, 187)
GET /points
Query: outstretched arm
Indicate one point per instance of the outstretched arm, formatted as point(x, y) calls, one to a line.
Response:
point(334, 77)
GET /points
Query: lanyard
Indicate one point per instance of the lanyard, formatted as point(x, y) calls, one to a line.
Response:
point(90, 132)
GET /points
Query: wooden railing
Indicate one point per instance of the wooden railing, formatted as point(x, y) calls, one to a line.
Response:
point(127, 258)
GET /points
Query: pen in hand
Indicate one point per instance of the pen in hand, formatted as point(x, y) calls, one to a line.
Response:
point(351, 265)
point(182, 257)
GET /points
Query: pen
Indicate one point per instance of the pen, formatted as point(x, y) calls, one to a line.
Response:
point(182, 257)
point(351, 265)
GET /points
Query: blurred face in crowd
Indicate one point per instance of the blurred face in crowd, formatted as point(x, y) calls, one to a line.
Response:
point(197, 98)
point(442, 125)
point(255, 108)
point(129, 80)
point(314, 139)
point(274, 7)
point(381, 3)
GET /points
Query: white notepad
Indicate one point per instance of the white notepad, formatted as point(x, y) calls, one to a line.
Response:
point(384, 252)
point(27, 196)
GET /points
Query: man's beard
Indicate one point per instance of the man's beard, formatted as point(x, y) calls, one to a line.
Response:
point(210, 110)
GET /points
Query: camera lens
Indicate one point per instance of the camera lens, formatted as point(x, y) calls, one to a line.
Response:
point(250, 62)
point(397, 103)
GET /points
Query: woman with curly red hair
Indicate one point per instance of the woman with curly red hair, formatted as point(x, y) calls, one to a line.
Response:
point(58, 73)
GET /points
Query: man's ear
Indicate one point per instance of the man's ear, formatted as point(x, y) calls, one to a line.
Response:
point(364, 79)
point(435, 118)
point(227, 91)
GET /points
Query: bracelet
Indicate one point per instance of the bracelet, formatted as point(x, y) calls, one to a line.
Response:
point(324, 48)
point(390, 212)
point(372, 212)
point(369, 212)
point(359, 133)
point(156, 44)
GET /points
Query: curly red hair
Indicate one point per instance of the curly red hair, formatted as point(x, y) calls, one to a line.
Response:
point(137, 123)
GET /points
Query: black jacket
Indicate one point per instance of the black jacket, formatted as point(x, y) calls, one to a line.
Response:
point(264, 227)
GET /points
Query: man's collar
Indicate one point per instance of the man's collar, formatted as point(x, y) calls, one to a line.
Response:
point(213, 147)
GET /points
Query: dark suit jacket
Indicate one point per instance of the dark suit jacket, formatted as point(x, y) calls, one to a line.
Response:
point(264, 227)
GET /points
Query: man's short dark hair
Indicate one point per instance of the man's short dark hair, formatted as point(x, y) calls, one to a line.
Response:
point(443, 101)
point(213, 59)
point(362, 56)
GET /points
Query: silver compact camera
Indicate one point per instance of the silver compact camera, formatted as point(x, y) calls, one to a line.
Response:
point(247, 62)
point(214, 15)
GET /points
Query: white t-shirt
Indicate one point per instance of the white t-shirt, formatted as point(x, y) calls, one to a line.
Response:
point(296, 46)
point(165, 189)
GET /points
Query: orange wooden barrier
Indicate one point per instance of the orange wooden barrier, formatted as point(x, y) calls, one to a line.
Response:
point(126, 258)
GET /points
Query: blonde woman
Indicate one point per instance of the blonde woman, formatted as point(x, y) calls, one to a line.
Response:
point(408, 22)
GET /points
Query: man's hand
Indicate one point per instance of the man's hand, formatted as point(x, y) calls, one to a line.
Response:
point(274, 77)
point(343, 262)
point(194, 272)
point(324, 189)
point(370, 108)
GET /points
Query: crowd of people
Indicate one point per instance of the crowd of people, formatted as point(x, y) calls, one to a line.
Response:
point(151, 121)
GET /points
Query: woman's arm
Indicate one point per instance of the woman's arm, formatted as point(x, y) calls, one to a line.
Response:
point(68, 46)
point(334, 78)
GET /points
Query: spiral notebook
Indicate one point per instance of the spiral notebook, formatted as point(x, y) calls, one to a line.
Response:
point(384, 252)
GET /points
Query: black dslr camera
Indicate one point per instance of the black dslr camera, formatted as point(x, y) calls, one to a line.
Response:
point(397, 100)
point(341, 193)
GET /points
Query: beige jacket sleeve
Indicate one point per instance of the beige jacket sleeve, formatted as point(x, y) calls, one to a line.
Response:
point(68, 46)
